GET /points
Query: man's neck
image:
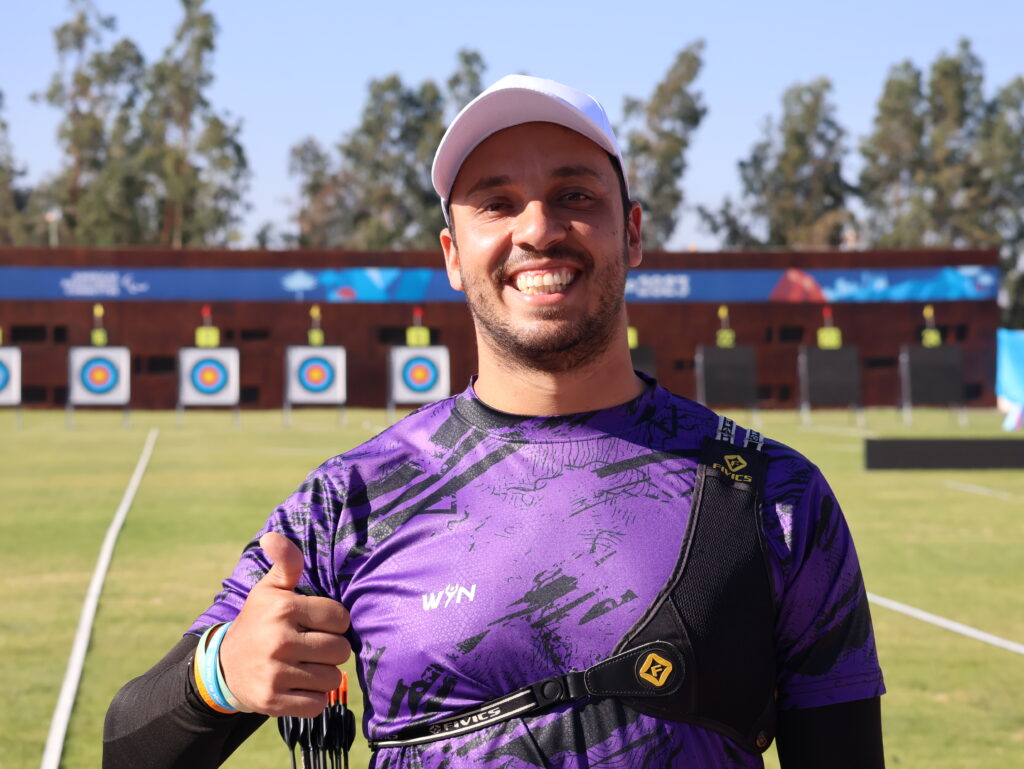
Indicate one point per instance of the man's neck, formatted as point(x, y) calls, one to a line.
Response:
point(602, 383)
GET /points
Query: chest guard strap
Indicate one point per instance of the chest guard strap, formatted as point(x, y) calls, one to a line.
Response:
point(703, 653)
point(718, 607)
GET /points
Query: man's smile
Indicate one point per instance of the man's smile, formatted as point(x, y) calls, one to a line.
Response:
point(544, 281)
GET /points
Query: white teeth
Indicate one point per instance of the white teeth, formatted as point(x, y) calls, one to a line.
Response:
point(546, 282)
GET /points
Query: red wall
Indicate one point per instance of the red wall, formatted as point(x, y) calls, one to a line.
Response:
point(155, 330)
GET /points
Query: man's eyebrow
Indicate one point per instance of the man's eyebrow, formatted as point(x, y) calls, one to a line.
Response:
point(489, 182)
point(564, 172)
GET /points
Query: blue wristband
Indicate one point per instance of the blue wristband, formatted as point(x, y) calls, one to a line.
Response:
point(210, 664)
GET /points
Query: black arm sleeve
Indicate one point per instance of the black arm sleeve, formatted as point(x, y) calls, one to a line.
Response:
point(159, 721)
point(843, 736)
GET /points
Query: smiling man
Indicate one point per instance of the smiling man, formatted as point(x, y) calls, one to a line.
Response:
point(563, 566)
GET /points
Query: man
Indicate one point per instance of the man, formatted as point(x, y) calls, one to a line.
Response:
point(561, 515)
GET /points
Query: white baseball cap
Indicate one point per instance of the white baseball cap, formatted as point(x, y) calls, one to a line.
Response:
point(513, 100)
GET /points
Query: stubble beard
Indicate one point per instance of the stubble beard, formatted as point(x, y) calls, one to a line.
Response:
point(559, 344)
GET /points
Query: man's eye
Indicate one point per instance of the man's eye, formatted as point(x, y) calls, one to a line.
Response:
point(576, 196)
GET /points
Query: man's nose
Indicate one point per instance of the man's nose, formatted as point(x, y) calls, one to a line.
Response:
point(537, 228)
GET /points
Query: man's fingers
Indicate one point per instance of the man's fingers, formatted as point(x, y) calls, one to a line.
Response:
point(322, 648)
point(286, 561)
point(323, 614)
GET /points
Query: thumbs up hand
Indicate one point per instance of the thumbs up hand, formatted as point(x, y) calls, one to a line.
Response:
point(281, 653)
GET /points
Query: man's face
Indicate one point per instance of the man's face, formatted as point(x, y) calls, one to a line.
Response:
point(543, 247)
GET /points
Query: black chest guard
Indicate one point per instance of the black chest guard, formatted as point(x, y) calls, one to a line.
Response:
point(718, 609)
point(704, 652)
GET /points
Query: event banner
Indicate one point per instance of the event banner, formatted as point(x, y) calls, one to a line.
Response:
point(10, 376)
point(315, 375)
point(208, 376)
point(421, 284)
point(418, 374)
point(99, 376)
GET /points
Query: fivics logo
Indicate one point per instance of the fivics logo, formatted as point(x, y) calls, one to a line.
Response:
point(450, 593)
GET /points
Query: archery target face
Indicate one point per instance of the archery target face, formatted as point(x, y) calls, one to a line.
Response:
point(208, 376)
point(10, 376)
point(315, 375)
point(99, 376)
point(419, 374)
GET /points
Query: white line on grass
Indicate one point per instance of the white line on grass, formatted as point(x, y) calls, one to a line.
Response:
point(68, 690)
point(984, 491)
point(948, 624)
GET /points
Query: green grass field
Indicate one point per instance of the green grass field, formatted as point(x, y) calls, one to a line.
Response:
point(932, 539)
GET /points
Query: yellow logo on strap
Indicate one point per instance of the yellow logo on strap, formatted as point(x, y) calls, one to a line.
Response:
point(734, 462)
point(655, 670)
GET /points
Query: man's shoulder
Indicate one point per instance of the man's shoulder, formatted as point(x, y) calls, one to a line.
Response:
point(788, 470)
point(410, 439)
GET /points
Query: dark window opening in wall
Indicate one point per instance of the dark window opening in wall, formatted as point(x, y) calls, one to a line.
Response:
point(60, 334)
point(255, 334)
point(881, 362)
point(396, 335)
point(785, 393)
point(973, 390)
point(764, 392)
point(960, 331)
point(229, 334)
point(161, 364)
point(768, 333)
point(136, 364)
point(33, 394)
point(791, 333)
point(28, 334)
point(249, 394)
point(680, 365)
point(60, 396)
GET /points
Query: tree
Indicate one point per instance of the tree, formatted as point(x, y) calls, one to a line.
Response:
point(377, 194)
point(954, 182)
point(792, 183)
point(895, 164)
point(12, 199)
point(95, 88)
point(657, 135)
point(193, 155)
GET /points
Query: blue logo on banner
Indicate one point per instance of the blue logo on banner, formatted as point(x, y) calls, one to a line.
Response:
point(5, 376)
point(316, 374)
point(419, 374)
point(99, 376)
point(209, 376)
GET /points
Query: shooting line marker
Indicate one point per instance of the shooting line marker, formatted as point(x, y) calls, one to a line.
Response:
point(66, 700)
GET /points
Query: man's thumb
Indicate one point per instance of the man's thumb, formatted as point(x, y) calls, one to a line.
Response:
point(285, 558)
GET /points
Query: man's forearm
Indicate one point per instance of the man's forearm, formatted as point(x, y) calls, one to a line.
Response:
point(158, 720)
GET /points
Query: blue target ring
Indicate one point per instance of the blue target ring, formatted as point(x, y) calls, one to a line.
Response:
point(99, 376)
point(419, 374)
point(209, 376)
point(316, 374)
point(5, 376)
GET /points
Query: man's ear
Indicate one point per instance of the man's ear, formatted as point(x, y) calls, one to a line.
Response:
point(634, 240)
point(451, 259)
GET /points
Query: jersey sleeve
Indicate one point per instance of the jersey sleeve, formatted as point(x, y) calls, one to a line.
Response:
point(309, 518)
point(825, 643)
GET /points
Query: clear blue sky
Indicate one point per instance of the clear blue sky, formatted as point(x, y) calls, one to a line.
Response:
point(291, 70)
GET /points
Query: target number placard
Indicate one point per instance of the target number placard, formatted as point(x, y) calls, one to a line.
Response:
point(99, 376)
point(208, 377)
point(10, 376)
point(418, 374)
point(315, 375)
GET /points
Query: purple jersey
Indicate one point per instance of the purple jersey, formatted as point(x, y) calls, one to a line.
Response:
point(479, 552)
